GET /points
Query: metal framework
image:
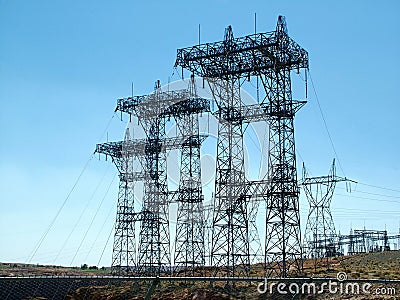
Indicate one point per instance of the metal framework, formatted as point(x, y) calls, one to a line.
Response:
point(235, 243)
point(225, 65)
point(364, 241)
point(152, 111)
point(154, 239)
point(320, 238)
point(189, 253)
point(124, 248)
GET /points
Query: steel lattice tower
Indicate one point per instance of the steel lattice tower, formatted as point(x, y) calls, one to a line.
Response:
point(283, 236)
point(320, 239)
point(230, 236)
point(189, 240)
point(154, 252)
point(123, 257)
point(154, 240)
point(271, 56)
point(152, 111)
point(151, 222)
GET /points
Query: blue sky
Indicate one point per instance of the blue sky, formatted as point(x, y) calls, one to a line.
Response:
point(64, 63)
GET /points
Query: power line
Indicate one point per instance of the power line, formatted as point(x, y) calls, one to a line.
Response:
point(93, 218)
point(366, 198)
point(344, 210)
point(325, 124)
point(38, 245)
point(374, 194)
point(82, 213)
point(41, 240)
point(380, 187)
point(101, 229)
point(105, 246)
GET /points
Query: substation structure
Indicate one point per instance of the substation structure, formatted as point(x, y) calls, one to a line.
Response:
point(235, 243)
point(365, 241)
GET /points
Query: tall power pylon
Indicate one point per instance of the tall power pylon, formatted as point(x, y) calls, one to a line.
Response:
point(320, 239)
point(153, 216)
point(226, 65)
point(283, 235)
point(124, 248)
point(230, 236)
point(152, 212)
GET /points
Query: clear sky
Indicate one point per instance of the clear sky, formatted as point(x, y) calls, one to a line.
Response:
point(63, 64)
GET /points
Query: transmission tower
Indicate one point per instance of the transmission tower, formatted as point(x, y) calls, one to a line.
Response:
point(226, 65)
point(154, 252)
point(152, 111)
point(154, 239)
point(320, 239)
point(230, 237)
point(189, 240)
point(123, 257)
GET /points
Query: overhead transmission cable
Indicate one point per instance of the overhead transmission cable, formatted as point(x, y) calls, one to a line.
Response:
point(105, 246)
point(380, 187)
point(331, 140)
point(374, 194)
point(101, 229)
point(325, 124)
point(92, 221)
point(82, 213)
point(43, 237)
point(58, 212)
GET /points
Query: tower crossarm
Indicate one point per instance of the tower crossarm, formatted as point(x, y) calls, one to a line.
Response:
point(113, 149)
point(256, 112)
point(324, 180)
point(127, 105)
point(393, 237)
point(187, 107)
point(152, 105)
point(141, 147)
point(243, 56)
point(330, 179)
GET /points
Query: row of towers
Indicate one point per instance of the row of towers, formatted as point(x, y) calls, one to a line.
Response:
point(225, 66)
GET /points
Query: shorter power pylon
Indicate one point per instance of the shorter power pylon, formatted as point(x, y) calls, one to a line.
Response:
point(123, 258)
point(320, 239)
